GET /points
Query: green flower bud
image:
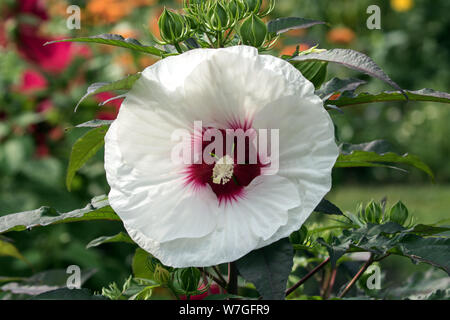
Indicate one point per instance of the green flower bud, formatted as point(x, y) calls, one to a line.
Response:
point(252, 6)
point(188, 279)
point(300, 236)
point(398, 213)
point(172, 27)
point(253, 31)
point(236, 8)
point(161, 274)
point(219, 19)
point(152, 263)
point(374, 212)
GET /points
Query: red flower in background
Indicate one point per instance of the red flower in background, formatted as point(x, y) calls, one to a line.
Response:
point(34, 7)
point(109, 111)
point(32, 81)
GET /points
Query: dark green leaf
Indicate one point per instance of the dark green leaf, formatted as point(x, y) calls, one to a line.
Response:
point(84, 149)
point(99, 87)
point(120, 237)
point(282, 25)
point(115, 40)
point(337, 85)
point(370, 159)
point(140, 264)
point(268, 268)
point(434, 251)
point(391, 96)
point(426, 230)
point(98, 209)
point(327, 207)
point(351, 59)
point(314, 71)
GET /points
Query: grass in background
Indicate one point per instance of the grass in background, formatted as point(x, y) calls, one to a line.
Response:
point(427, 203)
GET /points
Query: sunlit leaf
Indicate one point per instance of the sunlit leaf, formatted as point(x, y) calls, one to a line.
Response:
point(120, 237)
point(282, 25)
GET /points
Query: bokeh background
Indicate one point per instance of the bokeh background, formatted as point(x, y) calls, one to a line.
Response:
point(39, 87)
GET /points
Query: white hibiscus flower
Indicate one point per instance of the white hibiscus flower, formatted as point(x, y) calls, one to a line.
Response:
point(206, 214)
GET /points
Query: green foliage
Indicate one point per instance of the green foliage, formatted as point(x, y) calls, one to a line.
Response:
point(98, 209)
point(351, 59)
point(115, 40)
point(268, 268)
point(84, 149)
point(282, 25)
point(120, 237)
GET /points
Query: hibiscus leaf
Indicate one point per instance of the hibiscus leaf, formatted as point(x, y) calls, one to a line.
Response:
point(99, 87)
point(10, 250)
point(391, 96)
point(97, 209)
point(115, 40)
point(268, 268)
point(120, 237)
point(434, 251)
point(351, 59)
point(427, 230)
point(282, 25)
point(337, 85)
point(140, 264)
point(358, 158)
point(84, 149)
point(314, 71)
point(95, 123)
point(327, 207)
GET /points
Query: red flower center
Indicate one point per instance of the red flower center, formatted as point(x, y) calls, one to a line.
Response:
point(238, 156)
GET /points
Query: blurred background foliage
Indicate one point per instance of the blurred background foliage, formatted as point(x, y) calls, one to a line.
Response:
point(39, 87)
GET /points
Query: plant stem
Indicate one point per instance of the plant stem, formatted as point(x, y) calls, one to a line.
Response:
point(219, 274)
point(357, 276)
point(177, 46)
point(221, 283)
point(309, 275)
point(232, 287)
point(330, 284)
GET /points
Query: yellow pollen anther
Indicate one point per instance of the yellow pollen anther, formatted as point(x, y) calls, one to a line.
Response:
point(223, 170)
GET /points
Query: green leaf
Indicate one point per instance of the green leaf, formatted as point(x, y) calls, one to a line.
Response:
point(120, 237)
point(97, 209)
point(434, 251)
point(327, 207)
point(314, 71)
point(99, 87)
point(95, 123)
point(68, 294)
point(268, 268)
point(9, 250)
point(282, 25)
point(391, 96)
point(352, 59)
point(359, 158)
point(84, 149)
point(115, 40)
point(337, 85)
point(140, 264)
point(427, 230)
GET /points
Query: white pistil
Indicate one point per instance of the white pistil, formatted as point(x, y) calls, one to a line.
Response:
point(223, 170)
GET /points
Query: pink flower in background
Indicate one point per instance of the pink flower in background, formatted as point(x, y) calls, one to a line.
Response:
point(32, 81)
point(35, 7)
point(110, 110)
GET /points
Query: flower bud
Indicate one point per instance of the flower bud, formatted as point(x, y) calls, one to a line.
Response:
point(172, 27)
point(161, 274)
point(374, 212)
point(153, 263)
point(300, 236)
point(398, 213)
point(219, 19)
point(188, 279)
point(236, 8)
point(253, 31)
point(252, 6)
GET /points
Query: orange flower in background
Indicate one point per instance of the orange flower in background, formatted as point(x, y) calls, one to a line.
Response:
point(290, 50)
point(342, 35)
point(296, 33)
point(402, 5)
point(109, 11)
